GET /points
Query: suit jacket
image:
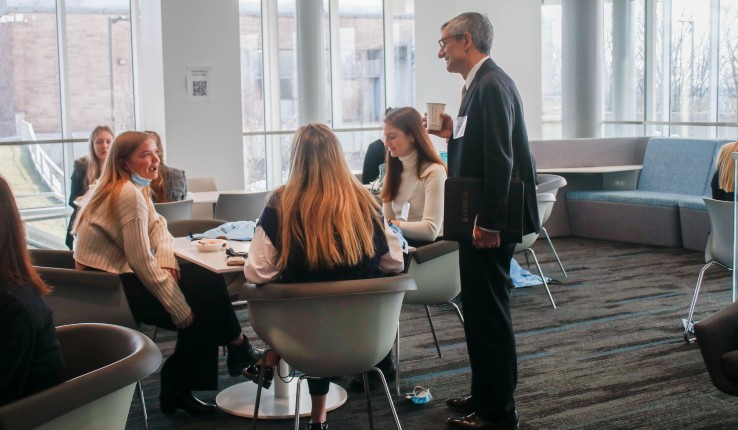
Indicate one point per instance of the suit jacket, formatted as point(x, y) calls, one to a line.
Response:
point(495, 147)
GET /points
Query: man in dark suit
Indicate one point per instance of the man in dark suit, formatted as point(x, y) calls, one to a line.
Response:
point(488, 140)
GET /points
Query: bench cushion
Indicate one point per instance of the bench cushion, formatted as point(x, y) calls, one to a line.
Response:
point(647, 198)
point(680, 166)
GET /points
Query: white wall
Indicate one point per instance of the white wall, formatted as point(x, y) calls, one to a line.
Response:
point(516, 48)
point(204, 139)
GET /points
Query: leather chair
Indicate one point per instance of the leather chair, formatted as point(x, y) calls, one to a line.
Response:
point(104, 363)
point(240, 206)
point(330, 329)
point(548, 183)
point(718, 340)
point(545, 200)
point(435, 269)
point(173, 211)
point(719, 250)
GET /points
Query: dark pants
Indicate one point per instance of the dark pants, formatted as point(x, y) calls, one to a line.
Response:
point(194, 363)
point(485, 295)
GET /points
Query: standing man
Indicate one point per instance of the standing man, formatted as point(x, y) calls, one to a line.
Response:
point(489, 141)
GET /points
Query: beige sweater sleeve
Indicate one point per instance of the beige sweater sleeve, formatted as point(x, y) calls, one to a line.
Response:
point(429, 227)
point(133, 212)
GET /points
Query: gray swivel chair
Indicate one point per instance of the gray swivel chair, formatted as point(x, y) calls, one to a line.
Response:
point(84, 296)
point(201, 184)
point(330, 329)
point(104, 363)
point(545, 200)
point(550, 184)
point(240, 206)
point(185, 227)
point(435, 269)
point(174, 211)
point(717, 339)
point(719, 250)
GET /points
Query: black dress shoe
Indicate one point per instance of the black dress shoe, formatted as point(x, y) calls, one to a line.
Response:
point(171, 401)
point(317, 426)
point(252, 373)
point(474, 422)
point(242, 356)
point(465, 405)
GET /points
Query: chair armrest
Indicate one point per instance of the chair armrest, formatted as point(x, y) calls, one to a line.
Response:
point(276, 291)
point(79, 278)
point(434, 250)
point(717, 335)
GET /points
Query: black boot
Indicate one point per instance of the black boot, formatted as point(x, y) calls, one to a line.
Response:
point(170, 401)
point(317, 426)
point(389, 370)
point(242, 356)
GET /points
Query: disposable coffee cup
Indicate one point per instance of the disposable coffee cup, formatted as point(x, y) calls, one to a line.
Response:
point(435, 119)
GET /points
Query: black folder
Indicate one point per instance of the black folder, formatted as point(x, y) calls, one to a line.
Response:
point(462, 201)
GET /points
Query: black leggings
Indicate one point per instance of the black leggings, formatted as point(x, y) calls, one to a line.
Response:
point(194, 363)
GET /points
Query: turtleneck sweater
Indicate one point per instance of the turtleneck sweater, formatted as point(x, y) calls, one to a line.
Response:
point(424, 194)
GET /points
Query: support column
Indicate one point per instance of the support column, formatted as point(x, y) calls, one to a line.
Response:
point(310, 61)
point(582, 24)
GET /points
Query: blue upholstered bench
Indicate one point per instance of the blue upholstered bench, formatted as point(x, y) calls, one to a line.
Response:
point(665, 209)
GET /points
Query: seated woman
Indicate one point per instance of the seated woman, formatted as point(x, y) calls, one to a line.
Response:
point(87, 169)
point(31, 358)
point(412, 193)
point(119, 231)
point(171, 184)
point(723, 186)
point(320, 226)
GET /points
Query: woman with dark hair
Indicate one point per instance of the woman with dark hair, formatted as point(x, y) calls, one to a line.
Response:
point(412, 193)
point(119, 231)
point(322, 225)
point(171, 184)
point(31, 358)
point(87, 169)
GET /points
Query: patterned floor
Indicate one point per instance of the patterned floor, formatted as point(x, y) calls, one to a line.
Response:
point(610, 357)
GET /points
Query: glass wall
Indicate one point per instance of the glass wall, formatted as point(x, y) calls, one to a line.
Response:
point(361, 80)
point(65, 67)
point(551, 68)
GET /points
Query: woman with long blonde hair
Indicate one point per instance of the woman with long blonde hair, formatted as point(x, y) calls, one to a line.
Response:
point(119, 231)
point(723, 182)
point(322, 225)
point(87, 169)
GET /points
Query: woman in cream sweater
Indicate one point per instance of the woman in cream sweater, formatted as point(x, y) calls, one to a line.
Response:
point(412, 194)
point(119, 231)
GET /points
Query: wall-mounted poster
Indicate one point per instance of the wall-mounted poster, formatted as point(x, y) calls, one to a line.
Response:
point(199, 83)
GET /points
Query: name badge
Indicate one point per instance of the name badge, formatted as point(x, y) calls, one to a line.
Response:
point(460, 127)
point(405, 211)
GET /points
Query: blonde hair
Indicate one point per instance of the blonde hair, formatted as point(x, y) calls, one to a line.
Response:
point(114, 174)
point(725, 165)
point(323, 208)
point(94, 165)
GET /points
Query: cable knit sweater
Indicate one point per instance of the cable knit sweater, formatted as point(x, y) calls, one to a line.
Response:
point(135, 240)
point(425, 196)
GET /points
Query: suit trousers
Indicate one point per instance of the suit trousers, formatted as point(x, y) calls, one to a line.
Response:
point(194, 363)
point(485, 295)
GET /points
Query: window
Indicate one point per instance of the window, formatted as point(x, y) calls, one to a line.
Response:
point(551, 69)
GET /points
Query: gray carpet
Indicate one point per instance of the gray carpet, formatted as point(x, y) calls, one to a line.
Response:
point(610, 357)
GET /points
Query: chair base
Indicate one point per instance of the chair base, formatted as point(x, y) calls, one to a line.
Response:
point(240, 400)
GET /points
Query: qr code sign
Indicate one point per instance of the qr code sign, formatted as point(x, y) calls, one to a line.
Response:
point(200, 88)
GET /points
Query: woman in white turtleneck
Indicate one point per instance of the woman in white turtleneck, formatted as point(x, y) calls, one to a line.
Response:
point(412, 194)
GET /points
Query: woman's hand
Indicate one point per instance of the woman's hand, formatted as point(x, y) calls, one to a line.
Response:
point(185, 322)
point(173, 272)
point(393, 222)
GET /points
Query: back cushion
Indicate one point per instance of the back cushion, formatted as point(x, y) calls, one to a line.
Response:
point(674, 165)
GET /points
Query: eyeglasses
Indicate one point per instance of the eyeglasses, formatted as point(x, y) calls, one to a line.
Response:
point(442, 42)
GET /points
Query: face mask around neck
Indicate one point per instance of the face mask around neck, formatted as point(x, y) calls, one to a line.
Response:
point(138, 179)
